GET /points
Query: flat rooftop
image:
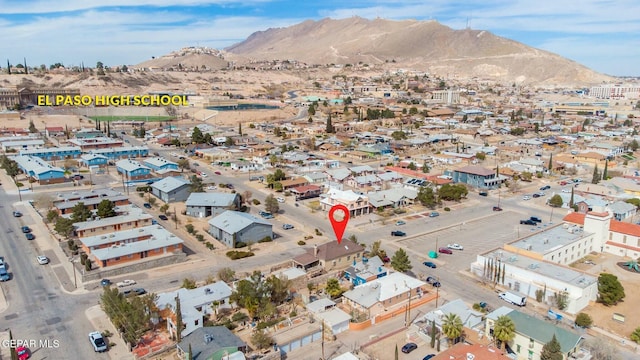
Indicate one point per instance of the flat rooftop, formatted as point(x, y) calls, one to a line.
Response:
point(549, 270)
point(550, 239)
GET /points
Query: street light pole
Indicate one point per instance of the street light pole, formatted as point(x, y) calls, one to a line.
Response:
point(75, 280)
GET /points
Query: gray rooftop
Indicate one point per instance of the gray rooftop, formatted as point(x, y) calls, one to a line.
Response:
point(106, 222)
point(130, 165)
point(159, 162)
point(83, 194)
point(166, 239)
point(118, 149)
point(206, 341)
point(153, 231)
point(49, 150)
point(546, 269)
point(384, 288)
point(90, 201)
point(169, 184)
point(234, 221)
point(211, 199)
point(550, 239)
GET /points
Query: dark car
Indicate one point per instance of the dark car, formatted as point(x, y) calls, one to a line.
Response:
point(546, 187)
point(229, 186)
point(105, 282)
point(428, 356)
point(163, 217)
point(17, 214)
point(429, 264)
point(536, 219)
point(26, 229)
point(536, 195)
point(398, 233)
point(444, 250)
point(409, 347)
point(497, 208)
point(528, 222)
point(433, 281)
point(29, 236)
point(140, 291)
point(147, 205)
point(483, 193)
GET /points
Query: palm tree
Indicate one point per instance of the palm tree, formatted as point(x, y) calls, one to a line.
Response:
point(504, 330)
point(452, 327)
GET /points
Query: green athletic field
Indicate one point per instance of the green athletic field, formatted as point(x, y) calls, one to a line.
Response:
point(131, 118)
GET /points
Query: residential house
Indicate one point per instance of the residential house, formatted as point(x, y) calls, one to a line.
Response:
point(232, 227)
point(66, 207)
point(53, 153)
point(358, 204)
point(89, 144)
point(306, 192)
point(53, 131)
point(171, 189)
point(364, 181)
point(39, 170)
point(317, 178)
point(533, 165)
point(392, 198)
point(135, 244)
point(334, 319)
point(212, 343)
point(292, 183)
point(124, 152)
point(533, 333)
point(338, 175)
point(478, 177)
point(367, 269)
point(132, 170)
point(330, 256)
point(622, 210)
point(160, 164)
point(211, 204)
point(18, 145)
point(195, 304)
point(463, 350)
point(93, 160)
point(382, 294)
point(111, 224)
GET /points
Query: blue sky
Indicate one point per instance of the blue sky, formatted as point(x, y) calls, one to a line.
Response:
point(601, 34)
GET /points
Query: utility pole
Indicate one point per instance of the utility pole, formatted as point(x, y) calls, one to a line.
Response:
point(322, 358)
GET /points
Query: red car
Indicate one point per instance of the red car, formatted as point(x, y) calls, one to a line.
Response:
point(218, 173)
point(444, 250)
point(23, 353)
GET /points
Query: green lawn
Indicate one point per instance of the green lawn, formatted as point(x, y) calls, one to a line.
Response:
point(131, 118)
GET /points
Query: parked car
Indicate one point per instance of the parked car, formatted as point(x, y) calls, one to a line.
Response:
point(546, 187)
point(526, 197)
point(287, 226)
point(280, 199)
point(434, 214)
point(140, 291)
point(566, 190)
point(78, 177)
point(428, 357)
point(400, 222)
point(97, 341)
point(29, 236)
point(4, 275)
point(563, 183)
point(23, 353)
point(536, 195)
point(528, 222)
point(42, 260)
point(17, 214)
point(455, 247)
point(398, 233)
point(497, 208)
point(483, 193)
point(444, 250)
point(26, 229)
point(433, 281)
point(536, 219)
point(147, 205)
point(429, 264)
point(409, 347)
point(124, 283)
point(163, 217)
point(218, 173)
point(105, 282)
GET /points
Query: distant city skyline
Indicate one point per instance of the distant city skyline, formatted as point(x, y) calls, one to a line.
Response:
point(603, 35)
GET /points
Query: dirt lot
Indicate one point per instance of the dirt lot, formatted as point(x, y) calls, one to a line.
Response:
point(602, 315)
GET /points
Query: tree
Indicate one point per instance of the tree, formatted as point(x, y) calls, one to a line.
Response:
point(229, 141)
point(412, 166)
point(605, 172)
point(100, 67)
point(179, 324)
point(271, 204)
point(610, 291)
point(80, 213)
point(375, 249)
point(32, 127)
point(196, 184)
point(261, 339)
point(197, 136)
point(246, 196)
point(188, 283)
point(425, 168)
point(633, 145)
point(550, 166)
point(398, 135)
point(481, 156)
point(64, 226)
point(226, 274)
point(596, 175)
point(427, 197)
point(329, 128)
point(396, 353)
point(333, 288)
point(183, 164)
point(240, 129)
point(452, 192)
point(635, 335)
point(400, 261)
point(634, 201)
point(556, 201)
point(552, 350)
point(106, 209)
point(583, 320)
point(504, 330)
point(452, 327)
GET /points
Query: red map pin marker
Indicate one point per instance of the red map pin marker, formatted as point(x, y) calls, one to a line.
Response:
point(339, 220)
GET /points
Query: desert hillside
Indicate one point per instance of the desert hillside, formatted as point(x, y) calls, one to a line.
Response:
point(421, 45)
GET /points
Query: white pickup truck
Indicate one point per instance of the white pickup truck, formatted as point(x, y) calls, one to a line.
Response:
point(124, 283)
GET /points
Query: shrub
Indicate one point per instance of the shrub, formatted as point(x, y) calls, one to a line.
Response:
point(19, 184)
point(235, 254)
point(255, 202)
point(244, 208)
point(447, 209)
point(87, 265)
point(200, 237)
point(268, 323)
point(240, 244)
point(209, 245)
point(239, 316)
point(301, 243)
point(190, 228)
point(583, 320)
point(318, 232)
point(265, 239)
